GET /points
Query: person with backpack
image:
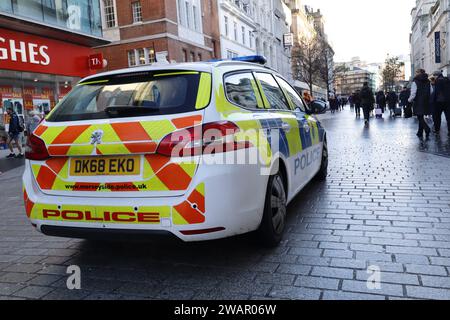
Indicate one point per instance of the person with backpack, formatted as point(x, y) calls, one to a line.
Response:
point(441, 99)
point(15, 129)
point(367, 102)
point(420, 96)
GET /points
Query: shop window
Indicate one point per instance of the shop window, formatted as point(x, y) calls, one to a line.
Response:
point(137, 11)
point(184, 55)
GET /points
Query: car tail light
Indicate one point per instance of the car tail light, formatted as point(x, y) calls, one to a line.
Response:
point(36, 149)
point(211, 138)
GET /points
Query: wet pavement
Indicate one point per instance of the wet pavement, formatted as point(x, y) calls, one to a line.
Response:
point(385, 205)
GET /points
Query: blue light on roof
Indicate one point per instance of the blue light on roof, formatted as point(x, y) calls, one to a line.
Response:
point(253, 59)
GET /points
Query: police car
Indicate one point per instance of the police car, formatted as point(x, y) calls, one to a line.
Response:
point(202, 151)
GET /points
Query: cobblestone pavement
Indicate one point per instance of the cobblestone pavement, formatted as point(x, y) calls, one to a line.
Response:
point(386, 203)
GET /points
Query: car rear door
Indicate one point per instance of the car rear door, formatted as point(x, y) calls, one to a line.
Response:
point(114, 136)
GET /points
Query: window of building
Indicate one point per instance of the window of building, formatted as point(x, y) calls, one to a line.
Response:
point(200, 57)
point(184, 55)
point(226, 26)
point(231, 54)
point(189, 14)
point(239, 90)
point(195, 21)
point(141, 56)
point(235, 31)
point(273, 92)
point(110, 15)
point(243, 36)
point(131, 58)
point(250, 39)
point(192, 57)
point(137, 11)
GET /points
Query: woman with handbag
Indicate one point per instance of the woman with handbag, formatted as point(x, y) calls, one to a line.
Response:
point(420, 96)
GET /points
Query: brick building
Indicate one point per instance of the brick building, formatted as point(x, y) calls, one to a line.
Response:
point(172, 30)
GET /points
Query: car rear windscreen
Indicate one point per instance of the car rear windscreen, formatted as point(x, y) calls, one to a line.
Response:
point(130, 95)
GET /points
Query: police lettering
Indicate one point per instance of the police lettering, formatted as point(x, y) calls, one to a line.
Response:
point(88, 216)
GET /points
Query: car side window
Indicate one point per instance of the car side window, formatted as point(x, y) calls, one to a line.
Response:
point(272, 91)
point(294, 97)
point(241, 89)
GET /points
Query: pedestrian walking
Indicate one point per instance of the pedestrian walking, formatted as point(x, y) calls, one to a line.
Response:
point(33, 122)
point(381, 101)
point(403, 99)
point(357, 101)
point(333, 103)
point(441, 101)
point(420, 97)
point(392, 100)
point(367, 102)
point(15, 129)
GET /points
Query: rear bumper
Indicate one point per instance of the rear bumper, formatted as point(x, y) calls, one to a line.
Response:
point(222, 201)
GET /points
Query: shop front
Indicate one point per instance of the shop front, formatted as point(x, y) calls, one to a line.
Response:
point(37, 72)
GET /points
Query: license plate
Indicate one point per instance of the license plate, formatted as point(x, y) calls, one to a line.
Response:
point(103, 166)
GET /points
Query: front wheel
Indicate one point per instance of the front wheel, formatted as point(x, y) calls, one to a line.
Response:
point(275, 212)
point(323, 172)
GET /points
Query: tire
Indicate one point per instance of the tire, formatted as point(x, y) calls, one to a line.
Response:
point(323, 171)
point(273, 222)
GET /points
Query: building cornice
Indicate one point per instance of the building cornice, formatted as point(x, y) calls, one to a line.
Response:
point(143, 23)
point(157, 36)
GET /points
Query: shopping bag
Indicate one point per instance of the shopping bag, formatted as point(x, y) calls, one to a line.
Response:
point(429, 121)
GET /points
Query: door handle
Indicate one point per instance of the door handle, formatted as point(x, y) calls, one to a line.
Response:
point(286, 127)
point(307, 127)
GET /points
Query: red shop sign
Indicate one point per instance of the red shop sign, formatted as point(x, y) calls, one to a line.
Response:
point(26, 52)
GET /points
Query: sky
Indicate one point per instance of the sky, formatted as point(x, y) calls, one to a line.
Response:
point(369, 29)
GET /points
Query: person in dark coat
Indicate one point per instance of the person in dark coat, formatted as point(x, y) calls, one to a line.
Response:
point(392, 100)
point(420, 96)
point(357, 101)
point(381, 101)
point(441, 99)
point(334, 103)
point(14, 133)
point(404, 96)
point(367, 102)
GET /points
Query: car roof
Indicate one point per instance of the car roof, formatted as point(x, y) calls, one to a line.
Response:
point(188, 66)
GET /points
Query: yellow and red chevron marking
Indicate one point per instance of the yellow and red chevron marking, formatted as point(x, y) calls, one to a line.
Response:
point(28, 203)
point(119, 138)
point(160, 174)
point(191, 211)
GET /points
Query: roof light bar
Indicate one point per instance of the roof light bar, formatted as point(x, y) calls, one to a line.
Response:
point(252, 59)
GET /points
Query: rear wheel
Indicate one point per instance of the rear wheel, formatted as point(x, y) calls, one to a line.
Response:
point(323, 172)
point(275, 211)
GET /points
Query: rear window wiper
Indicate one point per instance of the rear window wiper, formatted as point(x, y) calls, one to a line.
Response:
point(126, 110)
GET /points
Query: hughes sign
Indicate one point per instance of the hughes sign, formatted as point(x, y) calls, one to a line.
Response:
point(25, 52)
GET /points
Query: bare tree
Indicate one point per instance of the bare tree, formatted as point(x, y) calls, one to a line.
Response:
point(391, 72)
point(307, 57)
point(325, 67)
